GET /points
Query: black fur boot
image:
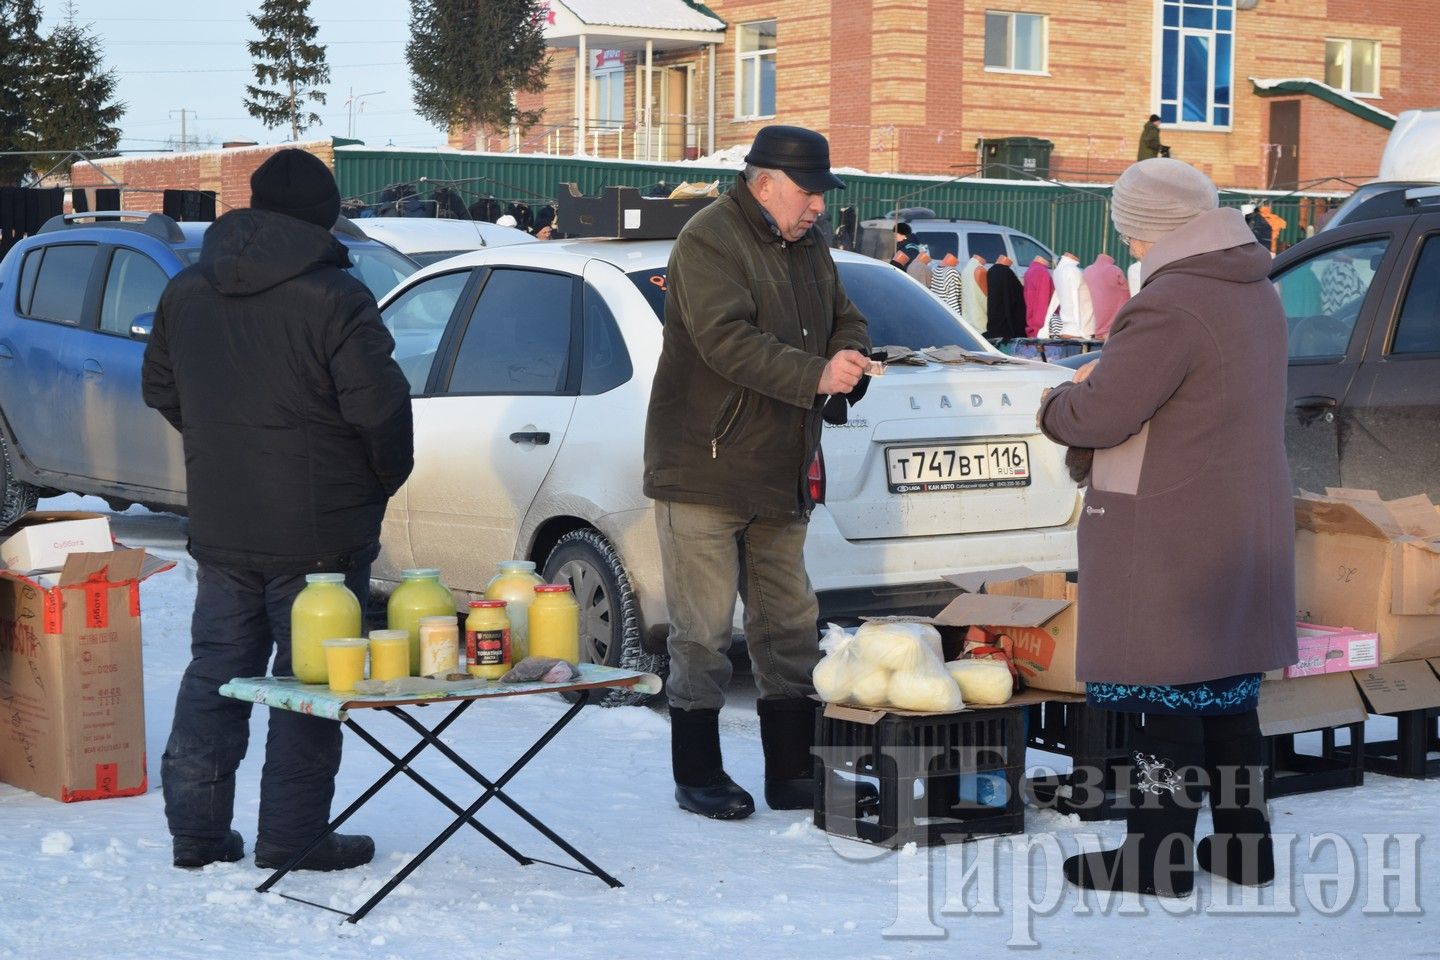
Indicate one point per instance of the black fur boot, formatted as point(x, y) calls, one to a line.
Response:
point(1157, 856)
point(701, 784)
point(1241, 850)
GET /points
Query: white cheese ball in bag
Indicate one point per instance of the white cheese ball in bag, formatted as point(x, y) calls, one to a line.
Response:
point(871, 686)
point(898, 646)
point(925, 691)
point(982, 681)
point(835, 677)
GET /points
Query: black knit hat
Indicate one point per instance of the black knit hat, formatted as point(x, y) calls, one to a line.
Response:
point(297, 184)
point(904, 229)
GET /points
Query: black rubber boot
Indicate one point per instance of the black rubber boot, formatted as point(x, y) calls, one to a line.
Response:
point(787, 732)
point(193, 852)
point(1157, 856)
point(1241, 850)
point(701, 784)
point(338, 851)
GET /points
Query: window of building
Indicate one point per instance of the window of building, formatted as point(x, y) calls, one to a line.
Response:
point(1015, 41)
point(607, 91)
point(755, 70)
point(1196, 61)
point(1353, 65)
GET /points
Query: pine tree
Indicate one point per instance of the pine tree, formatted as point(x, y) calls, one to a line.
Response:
point(19, 56)
point(469, 57)
point(287, 59)
point(71, 105)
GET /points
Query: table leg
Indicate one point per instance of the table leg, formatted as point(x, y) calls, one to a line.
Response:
point(495, 789)
point(401, 764)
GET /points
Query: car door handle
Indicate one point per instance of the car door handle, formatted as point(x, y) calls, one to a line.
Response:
point(5, 352)
point(1311, 409)
point(92, 368)
point(540, 437)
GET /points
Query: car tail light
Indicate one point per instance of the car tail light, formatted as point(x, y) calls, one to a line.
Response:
point(815, 477)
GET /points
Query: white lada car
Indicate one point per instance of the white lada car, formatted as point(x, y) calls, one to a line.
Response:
point(530, 368)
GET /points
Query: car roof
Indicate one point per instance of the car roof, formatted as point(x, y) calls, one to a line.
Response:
point(428, 234)
point(178, 235)
point(628, 256)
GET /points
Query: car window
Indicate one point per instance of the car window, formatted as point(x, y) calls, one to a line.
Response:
point(60, 283)
point(379, 268)
point(517, 340)
point(417, 319)
point(607, 362)
point(991, 246)
point(28, 271)
point(901, 313)
point(1419, 327)
point(132, 288)
point(1324, 294)
point(940, 243)
point(1027, 250)
point(435, 256)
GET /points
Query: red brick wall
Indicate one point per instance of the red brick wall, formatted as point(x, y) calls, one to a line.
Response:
point(901, 85)
point(227, 172)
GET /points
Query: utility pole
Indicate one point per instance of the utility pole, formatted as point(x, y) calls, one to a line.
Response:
point(351, 102)
point(184, 141)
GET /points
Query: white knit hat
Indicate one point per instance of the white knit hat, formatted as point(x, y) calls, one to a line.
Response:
point(1155, 196)
point(505, 220)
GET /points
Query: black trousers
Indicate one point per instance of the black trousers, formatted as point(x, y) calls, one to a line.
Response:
point(242, 617)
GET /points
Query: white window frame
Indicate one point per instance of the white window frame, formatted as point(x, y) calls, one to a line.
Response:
point(1010, 15)
point(750, 61)
point(602, 97)
point(1158, 67)
point(1346, 84)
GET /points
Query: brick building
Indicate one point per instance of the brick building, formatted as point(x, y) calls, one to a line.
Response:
point(1257, 92)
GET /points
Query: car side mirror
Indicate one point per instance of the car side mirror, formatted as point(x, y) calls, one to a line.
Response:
point(141, 326)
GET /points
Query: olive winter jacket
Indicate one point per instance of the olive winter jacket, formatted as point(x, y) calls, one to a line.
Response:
point(750, 321)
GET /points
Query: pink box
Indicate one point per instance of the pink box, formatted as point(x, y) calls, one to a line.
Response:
point(1333, 650)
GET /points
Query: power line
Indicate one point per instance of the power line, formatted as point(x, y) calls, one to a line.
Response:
point(332, 66)
point(231, 43)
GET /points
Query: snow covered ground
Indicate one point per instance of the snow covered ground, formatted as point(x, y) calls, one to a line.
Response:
point(94, 879)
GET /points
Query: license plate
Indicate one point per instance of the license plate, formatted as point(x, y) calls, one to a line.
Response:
point(936, 468)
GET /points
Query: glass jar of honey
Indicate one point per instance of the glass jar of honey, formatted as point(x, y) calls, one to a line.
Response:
point(555, 623)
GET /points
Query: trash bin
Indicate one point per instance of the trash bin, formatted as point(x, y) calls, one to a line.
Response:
point(1014, 158)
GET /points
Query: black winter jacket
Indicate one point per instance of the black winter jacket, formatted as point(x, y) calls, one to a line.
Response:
point(273, 364)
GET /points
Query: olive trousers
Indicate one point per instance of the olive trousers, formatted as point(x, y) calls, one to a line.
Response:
point(711, 555)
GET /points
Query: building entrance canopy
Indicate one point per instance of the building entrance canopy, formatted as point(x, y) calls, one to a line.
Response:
point(635, 26)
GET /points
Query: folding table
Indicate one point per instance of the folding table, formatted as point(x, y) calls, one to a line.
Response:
point(287, 693)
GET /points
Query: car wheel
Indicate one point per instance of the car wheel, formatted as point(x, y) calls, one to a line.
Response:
point(16, 498)
point(609, 615)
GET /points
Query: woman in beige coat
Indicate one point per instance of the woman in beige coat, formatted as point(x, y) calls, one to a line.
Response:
point(1186, 541)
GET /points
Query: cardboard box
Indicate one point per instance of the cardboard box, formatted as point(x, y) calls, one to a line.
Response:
point(1039, 612)
point(1398, 687)
point(72, 702)
point(1333, 650)
point(1373, 565)
point(1309, 703)
point(42, 539)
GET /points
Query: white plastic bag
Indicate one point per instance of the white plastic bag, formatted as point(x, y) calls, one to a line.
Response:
point(982, 681)
point(887, 664)
point(838, 670)
point(898, 645)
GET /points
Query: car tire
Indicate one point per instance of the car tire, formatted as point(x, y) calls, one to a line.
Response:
point(16, 498)
point(609, 615)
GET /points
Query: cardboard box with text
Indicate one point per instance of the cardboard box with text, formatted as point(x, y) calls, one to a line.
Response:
point(42, 539)
point(72, 701)
point(1372, 565)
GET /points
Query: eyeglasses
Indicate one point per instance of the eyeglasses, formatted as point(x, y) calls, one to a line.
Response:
point(1124, 240)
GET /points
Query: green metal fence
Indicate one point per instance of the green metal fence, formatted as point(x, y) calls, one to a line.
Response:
point(1073, 217)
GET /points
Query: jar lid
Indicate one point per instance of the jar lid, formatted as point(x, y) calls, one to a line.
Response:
point(552, 588)
point(440, 618)
point(389, 634)
point(486, 604)
point(421, 573)
point(324, 578)
point(527, 565)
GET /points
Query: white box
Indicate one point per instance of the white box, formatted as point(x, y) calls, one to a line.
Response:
point(41, 540)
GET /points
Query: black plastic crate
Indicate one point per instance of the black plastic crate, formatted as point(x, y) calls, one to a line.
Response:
point(1097, 743)
point(932, 756)
point(1289, 771)
point(621, 212)
point(1417, 735)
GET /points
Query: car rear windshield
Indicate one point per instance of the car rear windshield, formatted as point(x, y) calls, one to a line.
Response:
point(901, 312)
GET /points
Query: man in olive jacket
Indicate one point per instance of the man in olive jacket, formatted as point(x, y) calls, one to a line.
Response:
point(758, 333)
point(274, 366)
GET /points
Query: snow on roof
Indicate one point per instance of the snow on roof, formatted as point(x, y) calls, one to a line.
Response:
point(643, 14)
point(1280, 83)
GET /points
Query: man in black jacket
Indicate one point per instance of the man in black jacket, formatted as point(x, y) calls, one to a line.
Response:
point(274, 365)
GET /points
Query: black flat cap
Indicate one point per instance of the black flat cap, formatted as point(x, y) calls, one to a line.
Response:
point(803, 154)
